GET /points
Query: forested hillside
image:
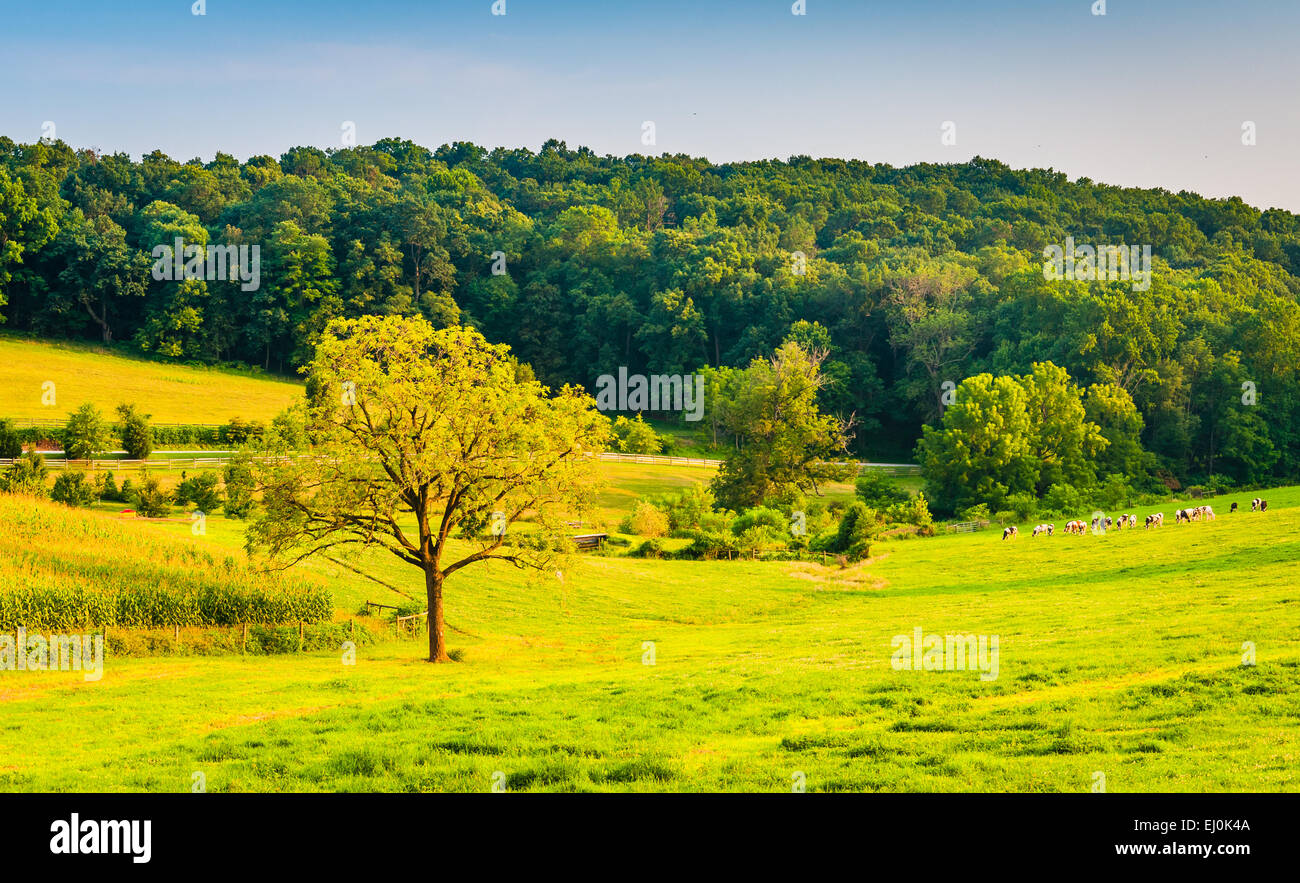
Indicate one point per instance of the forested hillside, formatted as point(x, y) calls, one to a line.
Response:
point(909, 277)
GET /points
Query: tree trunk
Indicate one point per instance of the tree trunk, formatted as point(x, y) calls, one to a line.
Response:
point(437, 626)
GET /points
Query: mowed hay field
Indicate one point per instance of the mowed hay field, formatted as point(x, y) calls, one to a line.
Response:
point(1120, 654)
point(170, 393)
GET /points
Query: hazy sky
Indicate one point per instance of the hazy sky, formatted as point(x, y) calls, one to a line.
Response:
point(1152, 94)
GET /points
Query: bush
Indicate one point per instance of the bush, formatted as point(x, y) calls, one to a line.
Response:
point(646, 520)
point(149, 499)
point(857, 529)
point(636, 436)
point(106, 487)
point(72, 489)
point(238, 432)
point(651, 548)
point(1025, 507)
point(200, 491)
point(688, 509)
point(1115, 492)
point(1063, 500)
point(761, 516)
point(878, 491)
point(709, 544)
point(25, 476)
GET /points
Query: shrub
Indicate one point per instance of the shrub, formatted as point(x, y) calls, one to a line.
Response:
point(646, 520)
point(1025, 506)
point(238, 432)
point(106, 487)
point(877, 490)
point(709, 544)
point(72, 489)
point(688, 509)
point(25, 476)
point(149, 499)
point(1115, 492)
point(636, 436)
point(1063, 499)
point(857, 529)
point(651, 548)
point(761, 516)
point(200, 491)
point(762, 538)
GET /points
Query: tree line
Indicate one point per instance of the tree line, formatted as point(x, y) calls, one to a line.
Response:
point(908, 282)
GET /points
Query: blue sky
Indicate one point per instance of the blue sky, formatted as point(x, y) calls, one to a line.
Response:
point(1154, 93)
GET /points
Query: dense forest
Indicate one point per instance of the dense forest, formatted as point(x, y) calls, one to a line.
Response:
point(907, 278)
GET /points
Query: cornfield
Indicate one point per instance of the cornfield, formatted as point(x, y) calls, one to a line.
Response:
point(64, 570)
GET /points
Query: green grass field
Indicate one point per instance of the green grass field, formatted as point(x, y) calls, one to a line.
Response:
point(1119, 655)
point(171, 393)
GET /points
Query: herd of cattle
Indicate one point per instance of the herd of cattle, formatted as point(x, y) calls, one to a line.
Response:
point(1102, 523)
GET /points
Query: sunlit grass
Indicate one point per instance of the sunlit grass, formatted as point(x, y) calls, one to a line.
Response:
point(1119, 654)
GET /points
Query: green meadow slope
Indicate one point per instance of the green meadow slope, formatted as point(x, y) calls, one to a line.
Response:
point(1120, 655)
point(171, 393)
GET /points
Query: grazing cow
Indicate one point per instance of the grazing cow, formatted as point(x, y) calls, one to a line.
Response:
point(1258, 505)
point(1010, 532)
point(1233, 509)
point(1077, 527)
point(1263, 505)
point(1207, 512)
point(1183, 515)
point(1128, 520)
point(1039, 528)
point(1109, 522)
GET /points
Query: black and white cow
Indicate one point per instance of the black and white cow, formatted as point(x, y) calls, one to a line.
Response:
point(1010, 532)
point(1156, 519)
point(1233, 509)
point(1258, 505)
point(1183, 515)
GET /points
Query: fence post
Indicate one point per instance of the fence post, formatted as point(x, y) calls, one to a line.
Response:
point(243, 647)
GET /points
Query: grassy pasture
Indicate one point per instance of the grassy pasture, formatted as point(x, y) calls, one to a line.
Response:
point(1119, 654)
point(170, 393)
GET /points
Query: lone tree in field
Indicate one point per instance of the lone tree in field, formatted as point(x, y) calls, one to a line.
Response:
point(430, 444)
